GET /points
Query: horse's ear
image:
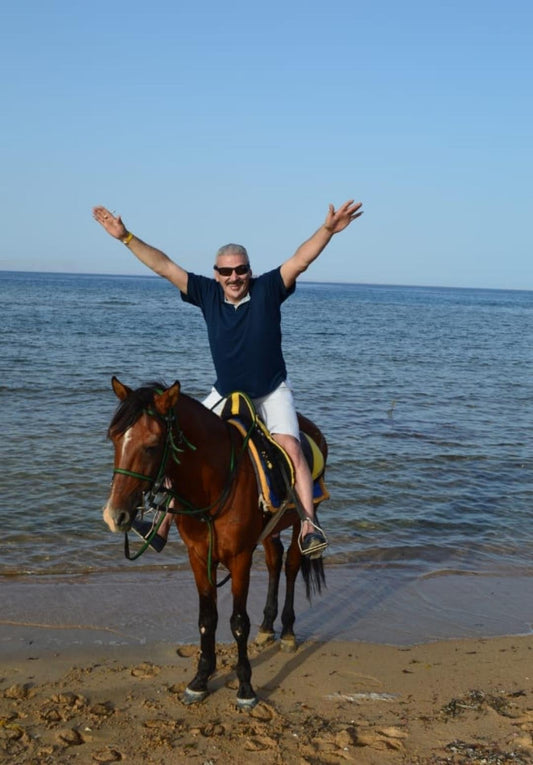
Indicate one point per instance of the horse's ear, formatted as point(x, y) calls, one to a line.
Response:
point(166, 400)
point(121, 391)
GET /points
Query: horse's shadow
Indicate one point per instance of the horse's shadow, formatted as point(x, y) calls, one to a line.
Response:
point(295, 660)
point(225, 676)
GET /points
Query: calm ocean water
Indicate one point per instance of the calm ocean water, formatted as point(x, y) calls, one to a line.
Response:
point(425, 396)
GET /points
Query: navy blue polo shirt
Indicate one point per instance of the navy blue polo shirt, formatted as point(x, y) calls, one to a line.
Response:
point(245, 341)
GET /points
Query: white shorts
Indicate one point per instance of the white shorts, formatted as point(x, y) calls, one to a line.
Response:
point(277, 410)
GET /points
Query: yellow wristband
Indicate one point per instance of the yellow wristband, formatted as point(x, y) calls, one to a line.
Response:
point(127, 239)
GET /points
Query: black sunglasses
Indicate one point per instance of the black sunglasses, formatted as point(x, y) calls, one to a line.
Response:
point(227, 271)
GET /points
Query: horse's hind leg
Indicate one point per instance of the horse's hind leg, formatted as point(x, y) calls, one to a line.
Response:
point(240, 628)
point(288, 617)
point(207, 622)
point(274, 561)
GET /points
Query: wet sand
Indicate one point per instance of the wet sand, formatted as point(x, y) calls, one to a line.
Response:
point(404, 671)
point(132, 607)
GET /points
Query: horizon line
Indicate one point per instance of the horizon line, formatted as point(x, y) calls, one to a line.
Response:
point(300, 280)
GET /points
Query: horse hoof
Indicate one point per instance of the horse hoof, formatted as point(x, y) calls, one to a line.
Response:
point(193, 697)
point(288, 644)
point(247, 704)
point(264, 638)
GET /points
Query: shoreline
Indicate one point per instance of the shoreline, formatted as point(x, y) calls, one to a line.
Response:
point(138, 607)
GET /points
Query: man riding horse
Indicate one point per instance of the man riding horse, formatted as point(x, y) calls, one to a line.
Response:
point(243, 318)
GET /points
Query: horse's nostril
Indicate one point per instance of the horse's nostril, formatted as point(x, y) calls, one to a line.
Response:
point(123, 521)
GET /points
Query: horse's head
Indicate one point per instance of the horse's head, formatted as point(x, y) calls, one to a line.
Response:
point(138, 432)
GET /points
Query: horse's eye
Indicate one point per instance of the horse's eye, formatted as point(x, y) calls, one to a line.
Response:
point(151, 450)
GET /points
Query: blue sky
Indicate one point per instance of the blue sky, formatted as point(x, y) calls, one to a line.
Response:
point(203, 123)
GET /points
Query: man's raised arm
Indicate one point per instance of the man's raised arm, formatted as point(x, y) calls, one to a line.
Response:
point(336, 220)
point(153, 258)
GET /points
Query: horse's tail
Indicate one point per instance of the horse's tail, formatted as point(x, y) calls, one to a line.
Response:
point(313, 575)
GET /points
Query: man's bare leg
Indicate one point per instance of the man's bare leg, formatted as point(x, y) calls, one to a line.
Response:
point(303, 483)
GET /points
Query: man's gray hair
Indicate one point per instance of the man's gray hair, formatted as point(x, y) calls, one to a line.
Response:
point(233, 249)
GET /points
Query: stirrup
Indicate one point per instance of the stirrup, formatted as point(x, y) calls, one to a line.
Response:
point(311, 550)
point(147, 530)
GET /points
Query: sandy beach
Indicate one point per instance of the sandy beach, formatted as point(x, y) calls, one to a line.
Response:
point(461, 701)
point(93, 671)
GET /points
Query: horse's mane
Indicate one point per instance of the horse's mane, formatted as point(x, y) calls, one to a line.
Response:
point(129, 410)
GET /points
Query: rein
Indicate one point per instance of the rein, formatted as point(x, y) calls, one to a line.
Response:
point(160, 496)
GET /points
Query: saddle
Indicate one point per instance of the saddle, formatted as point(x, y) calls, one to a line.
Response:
point(272, 465)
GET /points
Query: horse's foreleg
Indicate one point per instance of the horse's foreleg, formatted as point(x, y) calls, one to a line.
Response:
point(274, 561)
point(240, 628)
point(207, 623)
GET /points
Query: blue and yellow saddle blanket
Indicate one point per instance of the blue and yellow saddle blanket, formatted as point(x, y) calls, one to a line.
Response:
point(273, 467)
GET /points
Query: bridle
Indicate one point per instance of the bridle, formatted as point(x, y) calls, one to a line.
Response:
point(160, 496)
point(172, 448)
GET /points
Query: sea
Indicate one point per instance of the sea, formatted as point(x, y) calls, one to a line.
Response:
point(424, 394)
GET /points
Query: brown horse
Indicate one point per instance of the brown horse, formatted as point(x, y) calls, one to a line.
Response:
point(167, 442)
